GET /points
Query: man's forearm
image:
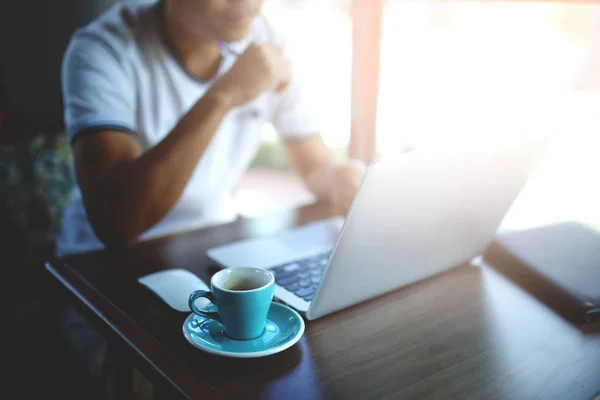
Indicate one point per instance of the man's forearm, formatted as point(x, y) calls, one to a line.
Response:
point(319, 179)
point(139, 193)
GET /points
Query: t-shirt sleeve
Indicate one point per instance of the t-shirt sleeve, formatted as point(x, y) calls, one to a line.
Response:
point(296, 113)
point(98, 91)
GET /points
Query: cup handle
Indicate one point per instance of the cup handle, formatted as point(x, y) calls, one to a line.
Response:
point(206, 294)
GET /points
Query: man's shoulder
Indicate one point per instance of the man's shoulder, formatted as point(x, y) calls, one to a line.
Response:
point(121, 27)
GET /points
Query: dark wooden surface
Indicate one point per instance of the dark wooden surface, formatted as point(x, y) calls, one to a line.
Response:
point(466, 334)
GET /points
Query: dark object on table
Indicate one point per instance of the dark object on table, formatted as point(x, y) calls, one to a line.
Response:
point(559, 264)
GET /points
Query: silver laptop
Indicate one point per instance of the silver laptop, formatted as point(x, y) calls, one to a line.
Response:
point(414, 216)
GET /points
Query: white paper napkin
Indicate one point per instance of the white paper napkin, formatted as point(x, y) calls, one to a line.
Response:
point(174, 286)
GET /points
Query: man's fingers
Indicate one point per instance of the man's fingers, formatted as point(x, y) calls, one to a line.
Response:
point(272, 47)
point(282, 87)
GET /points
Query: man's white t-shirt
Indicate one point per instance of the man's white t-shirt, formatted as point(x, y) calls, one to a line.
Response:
point(120, 72)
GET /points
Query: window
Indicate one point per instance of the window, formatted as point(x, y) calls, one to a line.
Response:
point(455, 71)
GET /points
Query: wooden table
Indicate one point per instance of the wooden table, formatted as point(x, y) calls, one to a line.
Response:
point(469, 333)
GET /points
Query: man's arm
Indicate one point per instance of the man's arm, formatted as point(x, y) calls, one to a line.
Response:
point(334, 183)
point(126, 192)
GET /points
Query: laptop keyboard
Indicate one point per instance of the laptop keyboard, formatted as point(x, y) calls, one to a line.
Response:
point(302, 277)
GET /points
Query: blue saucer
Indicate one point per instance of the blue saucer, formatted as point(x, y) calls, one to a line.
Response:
point(284, 327)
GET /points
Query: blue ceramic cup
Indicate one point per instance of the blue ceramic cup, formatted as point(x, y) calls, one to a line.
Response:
point(242, 296)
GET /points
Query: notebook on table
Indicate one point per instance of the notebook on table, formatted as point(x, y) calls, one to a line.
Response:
point(559, 264)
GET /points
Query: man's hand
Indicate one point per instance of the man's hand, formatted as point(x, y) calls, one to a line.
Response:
point(261, 67)
point(335, 183)
point(347, 178)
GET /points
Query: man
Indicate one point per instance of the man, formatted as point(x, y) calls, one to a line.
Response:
point(163, 104)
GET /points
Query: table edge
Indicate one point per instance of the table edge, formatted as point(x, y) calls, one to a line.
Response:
point(184, 380)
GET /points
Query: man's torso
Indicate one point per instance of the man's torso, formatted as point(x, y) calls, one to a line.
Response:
point(164, 92)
